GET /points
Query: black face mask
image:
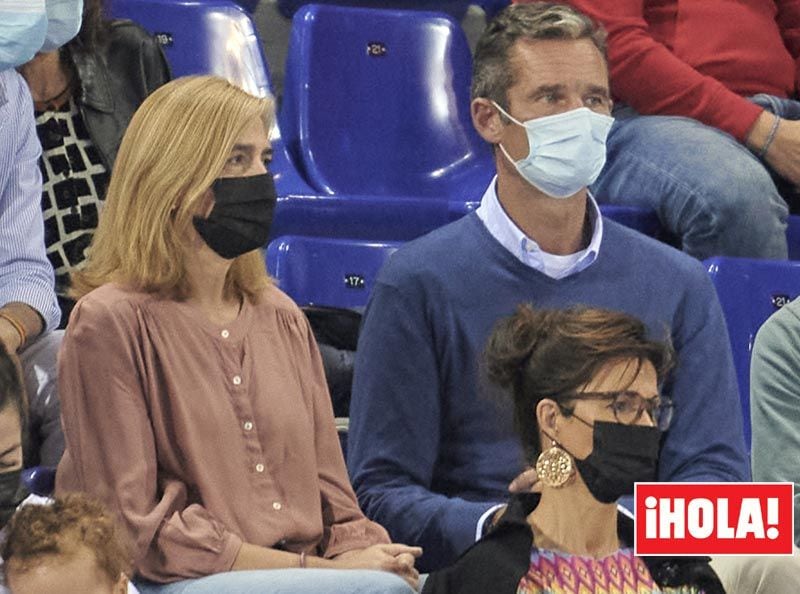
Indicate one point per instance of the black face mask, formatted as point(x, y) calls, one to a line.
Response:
point(621, 455)
point(12, 492)
point(241, 217)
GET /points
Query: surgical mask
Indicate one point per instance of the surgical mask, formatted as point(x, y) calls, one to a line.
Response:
point(23, 25)
point(63, 22)
point(566, 151)
point(241, 217)
point(12, 492)
point(621, 456)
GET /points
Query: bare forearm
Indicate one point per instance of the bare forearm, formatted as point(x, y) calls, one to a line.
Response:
point(19, 325)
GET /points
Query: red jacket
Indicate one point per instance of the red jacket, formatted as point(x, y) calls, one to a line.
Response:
point(700, 58)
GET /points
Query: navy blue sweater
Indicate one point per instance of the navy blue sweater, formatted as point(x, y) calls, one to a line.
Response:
point(431, 444)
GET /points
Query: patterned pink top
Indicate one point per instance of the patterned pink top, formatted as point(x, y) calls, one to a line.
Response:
point(553, 572)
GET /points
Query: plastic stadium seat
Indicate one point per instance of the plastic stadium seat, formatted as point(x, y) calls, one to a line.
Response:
point(643, 220)
point(793, 236)
point(210, 37)
point(377, 102)
point(455, 8)
point(218, 37)
point(750, 291)
point(249, 5)
point(492, 7)
point(39, 480)
point(327, 272)
point(214, 37)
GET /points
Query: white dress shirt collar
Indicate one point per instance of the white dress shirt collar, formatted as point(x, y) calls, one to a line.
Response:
point(526, 250)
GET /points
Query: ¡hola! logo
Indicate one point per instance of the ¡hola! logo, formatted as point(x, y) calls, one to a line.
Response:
point(714, 518)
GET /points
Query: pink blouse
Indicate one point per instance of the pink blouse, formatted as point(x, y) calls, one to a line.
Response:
point(203, 437)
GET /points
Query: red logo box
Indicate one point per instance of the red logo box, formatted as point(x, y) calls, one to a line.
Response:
point(714, 519)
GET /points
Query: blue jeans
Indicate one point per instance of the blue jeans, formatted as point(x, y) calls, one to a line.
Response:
point(285, 581)
point(708, 190)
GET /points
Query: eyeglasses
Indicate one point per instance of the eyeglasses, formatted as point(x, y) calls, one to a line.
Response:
point(628, 407)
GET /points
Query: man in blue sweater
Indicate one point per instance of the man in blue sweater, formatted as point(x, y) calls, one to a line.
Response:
point(431, 450)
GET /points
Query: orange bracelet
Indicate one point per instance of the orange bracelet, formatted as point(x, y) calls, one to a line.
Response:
point(23, 337)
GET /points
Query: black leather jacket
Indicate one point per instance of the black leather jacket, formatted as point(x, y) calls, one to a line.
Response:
point(114, 80)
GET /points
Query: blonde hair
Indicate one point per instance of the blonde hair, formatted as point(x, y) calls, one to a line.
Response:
point(174, 148)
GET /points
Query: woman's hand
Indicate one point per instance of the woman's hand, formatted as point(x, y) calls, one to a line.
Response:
point(526, 482)
point(395, 558)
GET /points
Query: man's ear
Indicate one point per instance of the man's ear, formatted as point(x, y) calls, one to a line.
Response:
point(486, 119)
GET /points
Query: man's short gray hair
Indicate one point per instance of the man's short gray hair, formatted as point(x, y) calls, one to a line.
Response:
point(491, 72)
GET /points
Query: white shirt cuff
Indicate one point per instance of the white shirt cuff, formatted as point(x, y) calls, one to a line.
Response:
point(486, 515)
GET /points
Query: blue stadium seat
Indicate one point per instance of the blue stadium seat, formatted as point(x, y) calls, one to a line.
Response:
point(249, 5)
point(327, 272)
point(218, 37)
point(793, 236)
point(39, 480)
point(750, 291)
point(492, 7)
point(455, 8)
point(215, 37)
point(209, 37)
point(643, 220)
point(377, 102)
point(373, 218)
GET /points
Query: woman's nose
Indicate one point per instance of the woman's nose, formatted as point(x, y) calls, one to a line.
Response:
point(646, 419)
point(258, 168)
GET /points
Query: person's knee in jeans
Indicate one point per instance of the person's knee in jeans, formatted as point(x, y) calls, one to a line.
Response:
point(286, 581)
point(707, 189)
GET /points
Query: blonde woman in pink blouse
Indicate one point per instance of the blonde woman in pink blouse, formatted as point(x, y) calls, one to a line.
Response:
point(193, 398)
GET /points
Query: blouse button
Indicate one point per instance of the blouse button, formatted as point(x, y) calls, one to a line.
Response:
point(237, 380)
point(225, 334)
point(259, 468)
point(248, 425)
point(276, 505)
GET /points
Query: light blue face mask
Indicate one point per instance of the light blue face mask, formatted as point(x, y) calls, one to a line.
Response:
point(23, 24)
point(566, 151)
point(63, 22)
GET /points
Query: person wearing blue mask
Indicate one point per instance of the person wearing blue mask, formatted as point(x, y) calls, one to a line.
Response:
point(89, 77)
point(429, 453)
point(22, 32)
point(63, 23)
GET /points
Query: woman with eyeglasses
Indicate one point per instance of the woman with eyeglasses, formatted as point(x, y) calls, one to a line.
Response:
point(584, 387)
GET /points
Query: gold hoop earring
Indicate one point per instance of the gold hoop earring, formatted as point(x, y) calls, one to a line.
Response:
point(554, 466)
